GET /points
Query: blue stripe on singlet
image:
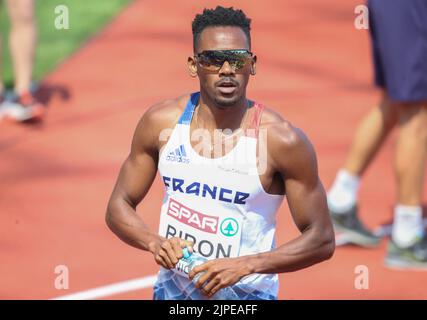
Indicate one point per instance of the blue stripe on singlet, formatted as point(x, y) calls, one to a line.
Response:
point(189, 109)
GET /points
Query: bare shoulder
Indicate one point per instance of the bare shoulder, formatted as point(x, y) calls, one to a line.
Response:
point(166, 113)
point(279, 130)
point(160, 116)
point(287, 145)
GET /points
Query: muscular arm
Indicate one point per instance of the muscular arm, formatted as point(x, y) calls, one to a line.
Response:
point(295, 159)
point(135, 179)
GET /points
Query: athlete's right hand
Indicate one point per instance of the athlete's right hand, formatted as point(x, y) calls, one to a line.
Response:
point(169, 251)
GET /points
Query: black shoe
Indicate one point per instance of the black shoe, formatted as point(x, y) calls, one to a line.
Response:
point(348, 224)
point(413, 257)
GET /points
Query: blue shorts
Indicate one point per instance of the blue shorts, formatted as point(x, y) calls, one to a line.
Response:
point(398, 31)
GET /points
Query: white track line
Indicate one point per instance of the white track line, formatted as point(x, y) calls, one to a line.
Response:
point(112, 289)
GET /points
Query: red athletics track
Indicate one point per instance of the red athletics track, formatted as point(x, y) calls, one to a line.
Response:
point(55, 178)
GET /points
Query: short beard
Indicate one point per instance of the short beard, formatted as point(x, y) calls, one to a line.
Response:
point(227, 102)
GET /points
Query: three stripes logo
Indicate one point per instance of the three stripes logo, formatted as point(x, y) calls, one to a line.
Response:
point(178, 155)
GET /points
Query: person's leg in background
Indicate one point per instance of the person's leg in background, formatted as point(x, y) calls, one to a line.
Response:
point(399, 38)
point(373, 130)
point(1, 69)
point(1, 82)
point(408, 247)
point(370, 136)
point(22, 40)
point(402, 26)
point(342, 197)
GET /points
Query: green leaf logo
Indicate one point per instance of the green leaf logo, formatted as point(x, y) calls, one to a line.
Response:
point(229, 227)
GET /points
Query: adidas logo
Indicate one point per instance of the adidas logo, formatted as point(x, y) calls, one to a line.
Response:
point(178, 155)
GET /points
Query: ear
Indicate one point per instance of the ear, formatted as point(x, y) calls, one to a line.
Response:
point(192, 67)
point(253, 65)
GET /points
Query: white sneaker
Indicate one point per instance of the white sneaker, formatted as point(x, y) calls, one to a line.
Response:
point(23, 109)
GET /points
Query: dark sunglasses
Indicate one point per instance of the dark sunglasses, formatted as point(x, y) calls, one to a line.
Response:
point(213, 60)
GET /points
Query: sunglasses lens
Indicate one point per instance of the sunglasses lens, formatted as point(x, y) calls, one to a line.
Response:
point(213, 60)
point(210, 62)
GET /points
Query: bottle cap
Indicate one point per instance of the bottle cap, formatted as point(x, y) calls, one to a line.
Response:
point(185, 253)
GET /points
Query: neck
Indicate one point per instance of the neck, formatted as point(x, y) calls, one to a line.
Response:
point(213, 116)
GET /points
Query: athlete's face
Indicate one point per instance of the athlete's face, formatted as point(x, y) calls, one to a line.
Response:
point(227, 85)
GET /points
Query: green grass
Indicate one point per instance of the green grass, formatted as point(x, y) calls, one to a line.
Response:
point(86, 17)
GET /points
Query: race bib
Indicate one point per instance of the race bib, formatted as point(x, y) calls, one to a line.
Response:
point(215, 234)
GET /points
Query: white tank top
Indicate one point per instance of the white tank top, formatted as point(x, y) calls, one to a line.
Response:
point(219, 204)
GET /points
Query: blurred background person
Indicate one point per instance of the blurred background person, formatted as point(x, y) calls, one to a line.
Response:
point(22, 40)
point(398, 30)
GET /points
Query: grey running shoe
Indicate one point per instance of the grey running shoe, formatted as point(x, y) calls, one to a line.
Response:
point(413, 257)
point(22, 108)
point(348, 224)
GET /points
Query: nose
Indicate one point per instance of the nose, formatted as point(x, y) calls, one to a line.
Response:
point(226, 69)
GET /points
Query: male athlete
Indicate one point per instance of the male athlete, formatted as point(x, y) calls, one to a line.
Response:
point(221, 197)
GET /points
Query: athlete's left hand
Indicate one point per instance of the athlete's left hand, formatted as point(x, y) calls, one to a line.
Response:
point(220, 273)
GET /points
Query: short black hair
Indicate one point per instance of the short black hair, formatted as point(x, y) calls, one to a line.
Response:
point(220, 17)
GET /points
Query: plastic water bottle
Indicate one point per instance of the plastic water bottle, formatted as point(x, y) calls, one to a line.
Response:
point(190, 261)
